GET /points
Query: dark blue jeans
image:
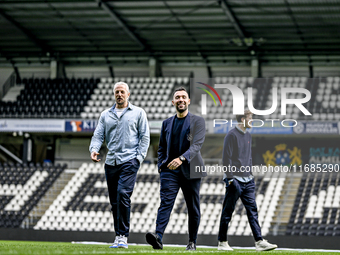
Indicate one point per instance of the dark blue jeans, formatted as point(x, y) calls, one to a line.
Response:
point(234, 191)
point(120, 182)
point(171, 182)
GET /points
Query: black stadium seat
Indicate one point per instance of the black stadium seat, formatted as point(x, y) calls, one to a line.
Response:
point(38, 93)
point(13, 175)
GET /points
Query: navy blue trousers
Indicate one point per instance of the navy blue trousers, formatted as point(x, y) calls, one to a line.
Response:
point(245, 191)
point(171, 182)
point(120, 182)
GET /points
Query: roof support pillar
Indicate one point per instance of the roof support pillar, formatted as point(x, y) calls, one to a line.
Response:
point(255, 68)
point(155, 69)
point(311, 70)
point(112, 74)
point(57, 69)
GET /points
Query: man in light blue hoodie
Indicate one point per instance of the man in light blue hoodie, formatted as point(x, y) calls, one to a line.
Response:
point(126, 132)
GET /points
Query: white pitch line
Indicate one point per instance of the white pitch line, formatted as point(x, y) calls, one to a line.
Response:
point(211, 247)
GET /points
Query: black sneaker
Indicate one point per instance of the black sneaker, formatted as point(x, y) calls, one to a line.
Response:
point(191, 246)
point(154, 241)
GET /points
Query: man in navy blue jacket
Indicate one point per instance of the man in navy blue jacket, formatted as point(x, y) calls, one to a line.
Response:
point(240, 183)
point(180, 142)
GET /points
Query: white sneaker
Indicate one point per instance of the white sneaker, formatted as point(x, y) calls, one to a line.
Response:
point(122, 242)
point(263, 245)
point(224, 246)
point(115, 243)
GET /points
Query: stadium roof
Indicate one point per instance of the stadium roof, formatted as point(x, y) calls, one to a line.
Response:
point(207, 32)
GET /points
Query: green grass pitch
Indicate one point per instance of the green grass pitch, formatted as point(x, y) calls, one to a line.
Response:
point(46, 248)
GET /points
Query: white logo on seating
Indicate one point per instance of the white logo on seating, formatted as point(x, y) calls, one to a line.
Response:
point(22, 193)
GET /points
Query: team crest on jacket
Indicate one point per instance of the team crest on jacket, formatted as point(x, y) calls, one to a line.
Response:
point(189, 137)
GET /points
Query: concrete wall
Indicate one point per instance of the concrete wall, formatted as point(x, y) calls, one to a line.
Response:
point(178, 71)
point(74, 152)
point(324, 71)
point(271, 71)
point(5, 73)
point(34, 72)
point(136, 71)
point(225, 71)
point(87, 72)
point(184, 71)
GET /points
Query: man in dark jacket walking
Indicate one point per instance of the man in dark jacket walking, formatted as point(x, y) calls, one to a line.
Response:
point(180, 142)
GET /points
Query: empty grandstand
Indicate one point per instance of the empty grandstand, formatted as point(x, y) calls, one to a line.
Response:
point(59, 61)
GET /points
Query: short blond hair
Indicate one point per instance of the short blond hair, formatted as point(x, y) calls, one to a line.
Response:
point(121, 83)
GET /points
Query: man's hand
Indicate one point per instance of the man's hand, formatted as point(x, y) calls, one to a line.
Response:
point(94, 156)
point(174, 164)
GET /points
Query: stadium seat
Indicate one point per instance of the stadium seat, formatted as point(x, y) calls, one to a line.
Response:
point(153, 91)
point(22, 196)
point(36, 97)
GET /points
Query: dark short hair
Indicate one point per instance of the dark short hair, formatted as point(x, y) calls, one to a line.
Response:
point(180, 89)
point(239, 117)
